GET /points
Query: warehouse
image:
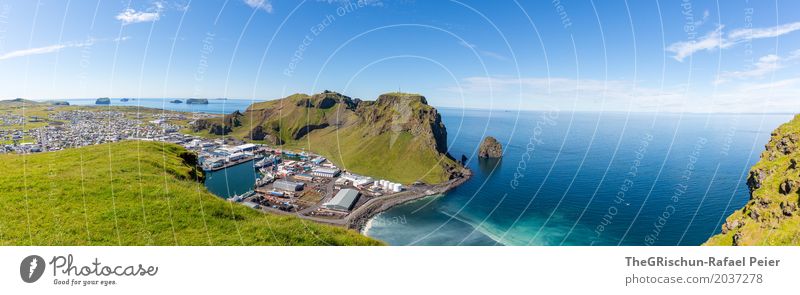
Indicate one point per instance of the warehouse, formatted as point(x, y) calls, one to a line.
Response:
point(288, 185)
point(343, 201)
point(325, 172)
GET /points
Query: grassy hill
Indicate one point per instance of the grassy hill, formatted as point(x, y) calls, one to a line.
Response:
point(771, 217)
point(397, 137)
point(135, 193)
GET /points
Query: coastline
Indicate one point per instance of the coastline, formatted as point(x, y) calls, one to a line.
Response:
point(360, 217)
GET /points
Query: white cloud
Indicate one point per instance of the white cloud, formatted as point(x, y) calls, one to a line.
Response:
point(131, 16)
point(717, 40)
point(757, 33)
point(357, 2)
point(44, 49)
point(712, 40)
point(765, 65)
point(265, 5)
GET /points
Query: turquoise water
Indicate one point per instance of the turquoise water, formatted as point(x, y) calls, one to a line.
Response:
point(231, 181)
point(214, 106)
point(587, 179)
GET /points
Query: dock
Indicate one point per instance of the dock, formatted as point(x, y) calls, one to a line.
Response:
point(229, 164)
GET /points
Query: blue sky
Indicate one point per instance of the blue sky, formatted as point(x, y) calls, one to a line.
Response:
point(694, 56)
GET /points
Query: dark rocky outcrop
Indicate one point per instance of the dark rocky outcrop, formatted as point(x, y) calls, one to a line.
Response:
point(787, 187)
point(490, 148)
point(219, 128)
point(103, 100)
point(307, 129)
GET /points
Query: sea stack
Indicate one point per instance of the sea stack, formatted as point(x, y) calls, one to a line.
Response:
point(490, 148)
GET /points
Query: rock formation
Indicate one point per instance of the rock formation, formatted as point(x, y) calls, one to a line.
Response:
point(490, 148)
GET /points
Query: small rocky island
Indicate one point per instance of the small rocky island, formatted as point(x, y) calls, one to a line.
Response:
point(197, 101)
point(103, 100)
point(176, 101)
point(490, 148)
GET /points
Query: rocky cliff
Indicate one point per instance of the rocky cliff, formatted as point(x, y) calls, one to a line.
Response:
point(398, 136)
point(490, 148)
point(771, 216)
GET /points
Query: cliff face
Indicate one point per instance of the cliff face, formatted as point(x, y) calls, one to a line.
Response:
point(398, 136)
point(771, 216)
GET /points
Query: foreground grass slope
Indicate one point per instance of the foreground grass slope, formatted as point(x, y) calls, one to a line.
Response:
point(771, 216)
point(135, 193)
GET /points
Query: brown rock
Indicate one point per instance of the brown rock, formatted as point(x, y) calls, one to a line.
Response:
point(490, 148)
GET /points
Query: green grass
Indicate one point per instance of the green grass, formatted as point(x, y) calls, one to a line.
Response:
point(775, 229)
point(396, 157)
point(135, 193)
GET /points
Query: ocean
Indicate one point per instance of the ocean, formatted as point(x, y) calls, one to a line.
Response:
point(583, 178)
point(214, 106)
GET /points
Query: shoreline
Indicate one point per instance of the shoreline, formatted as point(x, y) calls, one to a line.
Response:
point(358, 218)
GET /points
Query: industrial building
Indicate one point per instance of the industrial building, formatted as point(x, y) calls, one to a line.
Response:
point(304, 177)
point(343, 201)
point(325, 172)
point(288, 185)
point(358, 180)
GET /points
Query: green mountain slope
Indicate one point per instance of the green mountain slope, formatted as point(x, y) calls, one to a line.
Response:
point(135, 193)
point(771, 217)
point(398, 136)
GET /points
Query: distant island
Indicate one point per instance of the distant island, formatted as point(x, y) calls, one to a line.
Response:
point(176, 101)
point(124, 100)
point(197, 101)
point(60, 103)
point(103, 100)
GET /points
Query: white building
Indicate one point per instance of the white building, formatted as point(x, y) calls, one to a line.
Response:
point(343, 201)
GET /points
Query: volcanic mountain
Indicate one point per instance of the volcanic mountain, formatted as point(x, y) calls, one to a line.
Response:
point(398, 136)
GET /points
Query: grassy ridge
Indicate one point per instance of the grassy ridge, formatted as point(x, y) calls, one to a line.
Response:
point(392, 139)
point(135, 193)
point(391, 156)
point(771, 217)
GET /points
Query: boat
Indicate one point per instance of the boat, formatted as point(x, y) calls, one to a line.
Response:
point(262, 163)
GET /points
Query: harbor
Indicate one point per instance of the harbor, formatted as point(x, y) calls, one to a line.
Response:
point(300, 183)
